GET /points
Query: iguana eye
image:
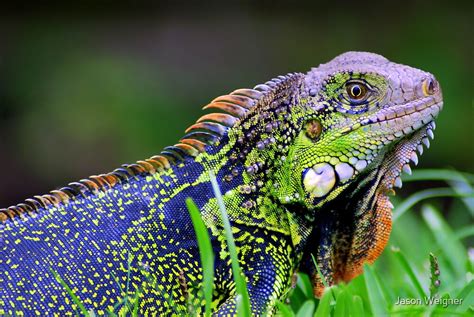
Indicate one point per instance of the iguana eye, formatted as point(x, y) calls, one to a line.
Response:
point(357, 91)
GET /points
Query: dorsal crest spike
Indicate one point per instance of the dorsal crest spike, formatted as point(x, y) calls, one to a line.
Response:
point(222, 118)
point(207, 130)
point(25, 207)
point(263, 87)
point(200, 146)
point(239, 100)
point(203, 136)
point(69, 192)
point(214, 127)
point(16, 211)
point(50, 199)
point(90, 184)
point(41, 200)
point(100, 181)
point(149, 167)
point(62, 196)
point(176, 153)
point(7, 213)
point(232, 109)
point(32, 203)
point(162, 160)
point(79, 188)
point(188, 149)
point(110, 178)
point(121, 173)
point(251, 93)
point(136, 169)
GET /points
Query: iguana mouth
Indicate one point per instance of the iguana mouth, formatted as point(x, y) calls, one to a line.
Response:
point(411, 123)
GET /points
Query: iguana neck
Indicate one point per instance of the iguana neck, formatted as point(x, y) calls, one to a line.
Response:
point(247, 160)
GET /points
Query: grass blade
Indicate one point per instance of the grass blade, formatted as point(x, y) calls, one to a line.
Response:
point(307, 309)
point(205, 252)
point(377, 301)
point(284, 310)
point(467, 294)
point(75, 299)
point(409, 270)
point(460, 182)
point(421, 195)
point(463, 187)
point(438, 174)
point(324, 307)
point(464, 232)
point(240, 282)
point(357, 307)
point(302, 291)
point(304, 283)
point(341, 309)
point(445, 238)
point(129, 263)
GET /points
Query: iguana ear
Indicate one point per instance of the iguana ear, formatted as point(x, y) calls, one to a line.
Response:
point(348, 235)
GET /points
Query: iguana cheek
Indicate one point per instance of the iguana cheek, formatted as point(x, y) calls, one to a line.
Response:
point(319, 180)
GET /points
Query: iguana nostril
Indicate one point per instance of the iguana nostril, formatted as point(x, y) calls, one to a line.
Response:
point(429, 86)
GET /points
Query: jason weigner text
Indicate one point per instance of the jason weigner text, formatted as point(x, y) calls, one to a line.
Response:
point(445, 302)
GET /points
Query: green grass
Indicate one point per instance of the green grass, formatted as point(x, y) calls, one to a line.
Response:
point(242, 297)
point(205, 251)
point(426, 256)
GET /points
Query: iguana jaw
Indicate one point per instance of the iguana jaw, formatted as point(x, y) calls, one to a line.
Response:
point(342, 255)
point(358, 231)
point(350, 264)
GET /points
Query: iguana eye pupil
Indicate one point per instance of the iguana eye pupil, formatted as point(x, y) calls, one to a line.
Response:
point(356, 91)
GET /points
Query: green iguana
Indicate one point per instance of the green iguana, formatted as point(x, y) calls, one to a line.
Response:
point(305, 163)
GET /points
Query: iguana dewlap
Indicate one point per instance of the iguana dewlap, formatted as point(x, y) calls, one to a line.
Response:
point(304, 162)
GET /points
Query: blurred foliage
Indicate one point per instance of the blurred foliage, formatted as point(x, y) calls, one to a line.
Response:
point(83, 90)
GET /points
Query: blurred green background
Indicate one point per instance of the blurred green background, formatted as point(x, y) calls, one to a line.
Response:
point(84, 89)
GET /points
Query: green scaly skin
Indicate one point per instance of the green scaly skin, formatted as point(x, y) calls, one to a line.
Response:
point(305, 163)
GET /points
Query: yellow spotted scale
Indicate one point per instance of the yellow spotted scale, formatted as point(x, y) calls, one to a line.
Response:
point(305, 163)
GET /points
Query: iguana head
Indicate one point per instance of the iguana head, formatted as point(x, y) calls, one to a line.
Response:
point(360, 106)
point(365, 119)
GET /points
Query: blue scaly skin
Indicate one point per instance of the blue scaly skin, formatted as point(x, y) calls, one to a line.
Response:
point(305, 163)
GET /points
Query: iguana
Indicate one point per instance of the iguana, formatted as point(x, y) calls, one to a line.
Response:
point(305, 163)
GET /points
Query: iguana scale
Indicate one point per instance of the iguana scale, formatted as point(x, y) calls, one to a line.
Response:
point(305, 163)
